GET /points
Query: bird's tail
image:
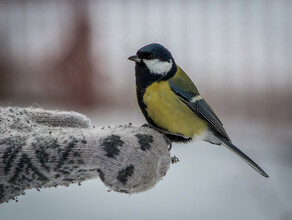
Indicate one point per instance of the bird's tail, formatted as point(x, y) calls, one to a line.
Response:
point(238, 152)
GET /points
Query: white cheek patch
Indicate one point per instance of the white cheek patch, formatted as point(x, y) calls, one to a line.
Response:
point(157, 66)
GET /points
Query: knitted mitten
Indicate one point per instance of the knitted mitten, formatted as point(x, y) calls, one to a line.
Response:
point(40, 148)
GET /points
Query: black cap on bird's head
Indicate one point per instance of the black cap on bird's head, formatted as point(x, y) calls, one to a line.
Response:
point(156, 58)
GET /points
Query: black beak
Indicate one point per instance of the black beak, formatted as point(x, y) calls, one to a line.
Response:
point(134, 58)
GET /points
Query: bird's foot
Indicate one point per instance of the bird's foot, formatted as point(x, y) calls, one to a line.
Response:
point(168, 142)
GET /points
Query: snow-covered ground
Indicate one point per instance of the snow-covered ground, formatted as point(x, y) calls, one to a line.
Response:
point(209, 182)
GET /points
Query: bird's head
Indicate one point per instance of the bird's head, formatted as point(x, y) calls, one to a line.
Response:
point(156, 58)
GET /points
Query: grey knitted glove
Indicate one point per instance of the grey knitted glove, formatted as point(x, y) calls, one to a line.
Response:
point(41, 148)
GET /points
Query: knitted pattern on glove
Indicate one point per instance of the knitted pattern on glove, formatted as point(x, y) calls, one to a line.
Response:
point(40, 148)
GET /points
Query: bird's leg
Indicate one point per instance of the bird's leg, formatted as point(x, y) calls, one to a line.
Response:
point(168, 141)
point(174, 159)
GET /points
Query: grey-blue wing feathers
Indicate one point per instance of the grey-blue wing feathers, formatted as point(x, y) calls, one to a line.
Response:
point(201, 108)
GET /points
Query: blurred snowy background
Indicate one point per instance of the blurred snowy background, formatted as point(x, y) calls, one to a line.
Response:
point(72, 55)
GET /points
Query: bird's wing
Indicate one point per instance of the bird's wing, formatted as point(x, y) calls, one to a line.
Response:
point(191, 97)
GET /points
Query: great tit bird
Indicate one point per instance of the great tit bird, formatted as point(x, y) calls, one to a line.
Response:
point(172, 104)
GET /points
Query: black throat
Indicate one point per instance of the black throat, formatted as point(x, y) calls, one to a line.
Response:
point(145, 78)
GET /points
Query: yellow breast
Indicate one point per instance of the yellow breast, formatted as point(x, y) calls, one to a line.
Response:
point(170, 113)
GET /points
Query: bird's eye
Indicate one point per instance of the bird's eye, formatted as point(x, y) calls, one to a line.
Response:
point(150, 57)
point(147, 56)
